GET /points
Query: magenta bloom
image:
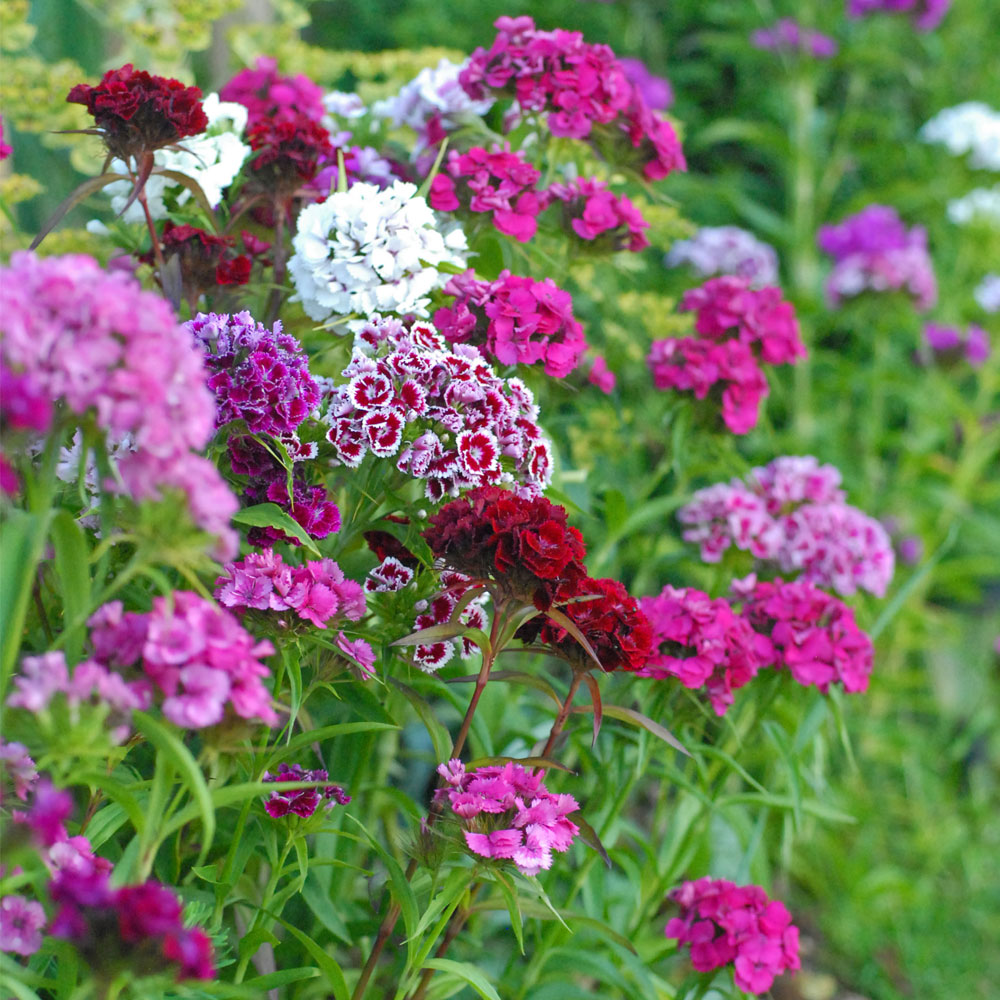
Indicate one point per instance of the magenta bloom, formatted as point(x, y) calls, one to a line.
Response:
point(596, 214)
point(302, 801)
point(702, 642)
point(950, 344)
point(509, 814)
point(874, 251)
point(654, 90)
point(5, 148)
point(787, 35)
point(515, 319)
point(813, 635)
point(723, 923)
point(21, 923)
point(99, 343)
point(266, 93)
point(926, 14)
point(601, 375)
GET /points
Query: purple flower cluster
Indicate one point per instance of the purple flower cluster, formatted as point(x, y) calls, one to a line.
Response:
point(21, 923)
point(702, 642)
point(499, 182)
point(724, 923)
point(654, 90)
point(446, 416)
point(874, 251)
point(258, 375)
point(17, 768)
point(726, 250)
point(593, 212)
point(810, 633)
point(198, 656)
point(43, 677)
point(927, 14)
point(791, 512)
point(740, 328)
point(509, 813)
point(950, 345)
point(316, 591)
point(302, 801)
point(514, 319)
point(787, 35)
point(96, 341)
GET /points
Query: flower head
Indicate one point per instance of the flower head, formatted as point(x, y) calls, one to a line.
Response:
point(926, 14)
point(596, 215)
point(972, 127)
point(302, 801)
point(21, 923)
point(787, 35)
point(266, 93)
point(726, 250)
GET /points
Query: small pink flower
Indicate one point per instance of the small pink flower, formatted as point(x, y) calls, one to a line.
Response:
point(21, 923)
point(601, 375)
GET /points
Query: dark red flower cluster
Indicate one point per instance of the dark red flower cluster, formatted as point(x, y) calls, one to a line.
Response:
point(500, 182)
point(136, 921)
point(811, 633)
point(138, 112)
point(595, 213)
point(302, 801)
point(607, 616)
point(522, 543)
point(205, 260)
point(514, 319)
point(742, 328)
point(722, 922)
point(289, 147)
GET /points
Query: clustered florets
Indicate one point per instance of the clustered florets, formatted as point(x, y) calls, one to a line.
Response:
point(514, 319)
point(595, 213)
point(727, 250)
point(787, 35)
point(509, 814)
point(444, 414)
point(302, 801)
point(741, 328)
point(724, 923)
point(791, 512)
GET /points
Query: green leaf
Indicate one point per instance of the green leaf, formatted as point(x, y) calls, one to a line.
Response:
point(296, 743)
point(554, 614)
point(596, 704)
point(84, 190)
point(589, 836)
point(449, 630)
point(467, 973)
point(262, 984)
point(318, 900)
point(270, 515)
point(635, 718)
point(71, 561)
point(439, 735)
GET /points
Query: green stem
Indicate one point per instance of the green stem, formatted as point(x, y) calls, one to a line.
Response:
point(269, 892)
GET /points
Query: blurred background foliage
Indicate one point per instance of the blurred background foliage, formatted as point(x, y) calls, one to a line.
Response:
point(904, 899)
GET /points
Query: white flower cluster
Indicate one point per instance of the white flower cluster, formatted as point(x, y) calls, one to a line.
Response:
point(973, 128)
point(433, 91)
point(979, 205)
point(727, 250)
point(987, 293)
point(212, 160)
point(364, 250)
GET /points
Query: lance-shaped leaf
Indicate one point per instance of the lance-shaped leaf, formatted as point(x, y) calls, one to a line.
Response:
point(270, 515)
point(563, 621)
point(194, 187)
point(589, 836)
point(595, 698)
point(84, 190)
point(434, 633)
point(145, 169)
point(545, 762)
point(635, 718)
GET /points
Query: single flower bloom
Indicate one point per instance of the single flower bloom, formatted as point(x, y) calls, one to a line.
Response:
point(21, 923)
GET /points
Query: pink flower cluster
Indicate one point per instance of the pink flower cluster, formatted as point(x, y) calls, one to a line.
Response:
point(316, 591)
point(578, 84)
point(267, 94)
point(927, 14)
point(198, 656)
point(654, 90)
point(43, 677)
point(811, 633)
point(302, 801)
point(724, 923)
point(787, 35)
point(594, 212)
point(950, 344)
point(445, 414)
point(702, 642)
point(517, 320)
point(509, 813)
point(21, 923)
point(741, 328)
point(23, 407)
point(874, 251)
point(430, 657)
point(258, 375)
point(500, 182)
point(792, 513)
point(583, 89)
point(96, 341)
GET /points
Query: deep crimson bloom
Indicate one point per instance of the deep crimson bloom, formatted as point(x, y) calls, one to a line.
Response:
point(138, 112)
point(192, 951)
point(147, 910)
point(522, 543)
point(607, 616)
point(302, 801)
point(289, 149)
point(203, 258)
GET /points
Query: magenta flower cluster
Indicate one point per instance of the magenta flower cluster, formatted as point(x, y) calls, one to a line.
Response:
point(268, 94)
point(950, 344)
point(96, 342)
point(723, 923)
point(792, 512)
point(702, 642)
point(787, 35)
point(24, 406)
point(499, 182)
point(926, 14)
point(445, 415)
point(594, 212)
point(258, 375)
point(874, 251)
point(199, 657)
point(810, 633)
point(740, 329)
point(317, 591)
point(517, 320)
point(509, 814)
point(302, 801)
